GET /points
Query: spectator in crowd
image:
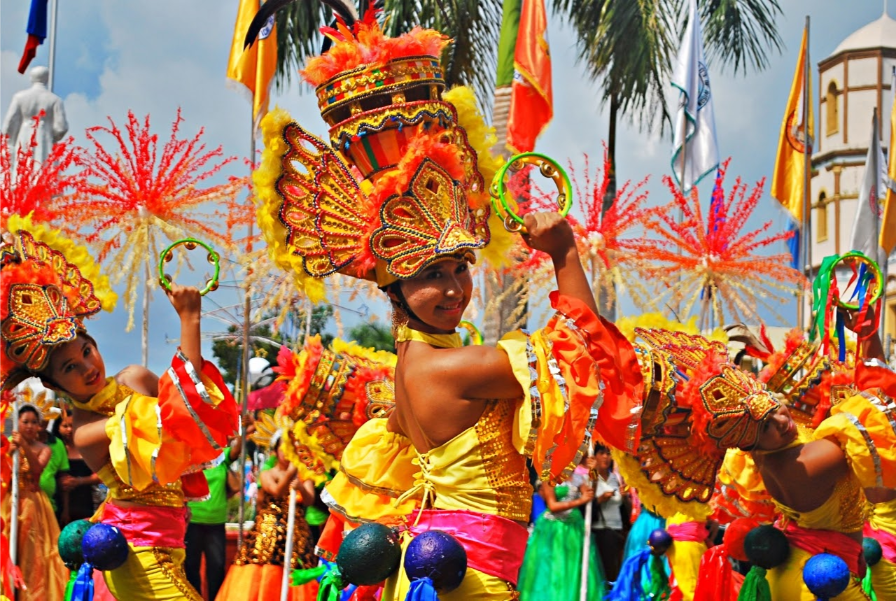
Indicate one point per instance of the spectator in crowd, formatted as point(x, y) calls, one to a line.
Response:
point(75, 498)
point(607, 523)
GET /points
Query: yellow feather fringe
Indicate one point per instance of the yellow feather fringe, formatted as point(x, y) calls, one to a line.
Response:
point(344, 347)
point(659, 321)
point(651, 494)
point(74, 253)
point(483, 139)
point(324, 462)
point(268, 204)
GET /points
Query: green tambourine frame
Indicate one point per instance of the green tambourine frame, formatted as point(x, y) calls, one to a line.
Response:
point(475, 334)
point(548, 168)
point(875, 270)
point(190, 243)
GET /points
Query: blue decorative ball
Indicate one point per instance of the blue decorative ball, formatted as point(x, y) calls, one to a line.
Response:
point(659, 541)
point(436, 555)
point(826, 575)
point(766, 546)
point(872, 551)
point(104, 547)
point(369, 554)
point(70, 543)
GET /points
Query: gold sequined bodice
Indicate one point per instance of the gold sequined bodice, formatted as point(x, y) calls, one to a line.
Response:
point(266, 542)
point(156, 495)
point(479, 469)
point(842, 512)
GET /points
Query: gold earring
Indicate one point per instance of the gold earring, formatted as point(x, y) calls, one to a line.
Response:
point(399, 318)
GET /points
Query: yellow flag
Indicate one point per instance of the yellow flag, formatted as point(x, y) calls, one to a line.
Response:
point(888, 222)
point(790, 166)
point(254, 67)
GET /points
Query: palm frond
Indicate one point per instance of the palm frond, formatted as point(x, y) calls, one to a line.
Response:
point(740, 33)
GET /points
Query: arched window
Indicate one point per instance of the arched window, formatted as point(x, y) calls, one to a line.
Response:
point(821, 218)
point(832, 109)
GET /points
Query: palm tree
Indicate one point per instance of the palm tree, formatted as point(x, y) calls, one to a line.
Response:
point(629, 45)
point(474, 25)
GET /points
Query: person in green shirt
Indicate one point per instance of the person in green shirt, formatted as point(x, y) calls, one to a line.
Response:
point(206, 533)
point(57, 465)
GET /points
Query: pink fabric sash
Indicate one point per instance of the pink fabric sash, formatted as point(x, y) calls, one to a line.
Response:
point(147, 526)
point(494, 545)
point(691, 532)
point(886, 539)
point(828, 541)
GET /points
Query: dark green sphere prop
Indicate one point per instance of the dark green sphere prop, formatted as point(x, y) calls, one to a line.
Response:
point(438, 556)
point(872, 551)
point(70, 543)
point(368, 555)
point(766, 546)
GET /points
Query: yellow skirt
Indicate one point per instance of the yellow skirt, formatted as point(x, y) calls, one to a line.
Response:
point(786, 581)
point(152, 574)
point(684, 559)
point(883, 579)
point(38, 555)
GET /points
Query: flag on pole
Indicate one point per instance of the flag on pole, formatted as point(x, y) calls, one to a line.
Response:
point(36, 30)
point(867, 223)
point(253, 67)
point(532, 100)
point(695, 121)
point(888, 222)
point(790, 164)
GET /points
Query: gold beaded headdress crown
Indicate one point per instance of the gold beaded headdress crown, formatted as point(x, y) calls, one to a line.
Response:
point(399, 186)
point(44, 295)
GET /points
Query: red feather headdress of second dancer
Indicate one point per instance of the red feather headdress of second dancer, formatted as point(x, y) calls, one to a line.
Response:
point(399, 197)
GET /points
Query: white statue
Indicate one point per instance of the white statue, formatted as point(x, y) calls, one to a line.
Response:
point(27, 104)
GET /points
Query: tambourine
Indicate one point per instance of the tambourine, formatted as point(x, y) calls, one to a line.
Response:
point(190, 243)
point(475, 334)
point(549, 168)
point(868, 269)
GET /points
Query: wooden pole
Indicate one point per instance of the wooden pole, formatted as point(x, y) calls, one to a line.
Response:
point(807, 172)
point(586, 541)
point(14, 511)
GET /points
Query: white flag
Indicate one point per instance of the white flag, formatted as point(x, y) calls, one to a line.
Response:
point(695, 112)
point(869, 210)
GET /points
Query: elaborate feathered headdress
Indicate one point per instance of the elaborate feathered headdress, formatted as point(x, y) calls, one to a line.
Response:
point(48, 286)
point(398, 187)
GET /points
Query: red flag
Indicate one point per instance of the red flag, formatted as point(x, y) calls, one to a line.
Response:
point(36, 30)
point(531, 104)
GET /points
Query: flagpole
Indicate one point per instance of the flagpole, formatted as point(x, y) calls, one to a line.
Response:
point(51, 61)
point(684, 162)
point(807, 172)
point(244, 376)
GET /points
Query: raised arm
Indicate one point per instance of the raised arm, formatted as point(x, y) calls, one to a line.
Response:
point(188, 304)
point(552, 234)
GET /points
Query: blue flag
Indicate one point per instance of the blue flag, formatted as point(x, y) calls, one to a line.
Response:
point(36, 30)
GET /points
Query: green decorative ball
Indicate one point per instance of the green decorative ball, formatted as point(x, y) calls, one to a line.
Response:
point(369, 554)
point(70, 543)
point(872, 551)
point(766, 546)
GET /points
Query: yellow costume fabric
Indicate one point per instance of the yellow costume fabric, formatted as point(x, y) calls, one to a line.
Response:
point(882, 516)
point(483, 469)
point(786, 581)
point(154, 470)
point(38, 558)
point(684, 559)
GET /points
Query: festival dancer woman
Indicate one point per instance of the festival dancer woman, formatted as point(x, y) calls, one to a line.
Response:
point(452, 455)
point(257, 571)
point(38, 557)
point(145, 437)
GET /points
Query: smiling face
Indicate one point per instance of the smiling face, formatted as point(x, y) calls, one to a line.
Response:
point(778, 430)
point(77, 369)
point(29, 424)
point(438, 295)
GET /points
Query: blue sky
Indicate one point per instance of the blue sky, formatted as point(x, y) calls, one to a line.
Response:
point(153, 57)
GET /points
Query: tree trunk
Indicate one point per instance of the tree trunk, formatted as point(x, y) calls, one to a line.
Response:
point(610, 195)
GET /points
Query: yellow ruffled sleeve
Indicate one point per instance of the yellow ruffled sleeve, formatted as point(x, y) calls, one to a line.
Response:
point(579, 376)
point(375, 471)
point(183, 431)
point(865, 427)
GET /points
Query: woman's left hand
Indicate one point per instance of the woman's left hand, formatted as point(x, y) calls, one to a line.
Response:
point(549, 233)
